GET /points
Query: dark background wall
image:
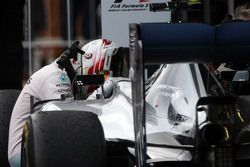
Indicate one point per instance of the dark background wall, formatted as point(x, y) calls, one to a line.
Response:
point(11, 36)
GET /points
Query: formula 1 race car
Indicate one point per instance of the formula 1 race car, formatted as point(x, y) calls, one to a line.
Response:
point(188, 113)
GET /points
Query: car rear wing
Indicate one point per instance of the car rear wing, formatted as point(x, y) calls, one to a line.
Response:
point(194, 42)
point(157, 43)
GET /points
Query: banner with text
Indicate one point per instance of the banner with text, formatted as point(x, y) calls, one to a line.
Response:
point(118, 14)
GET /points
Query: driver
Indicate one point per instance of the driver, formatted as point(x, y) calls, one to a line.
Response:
point(55, 79)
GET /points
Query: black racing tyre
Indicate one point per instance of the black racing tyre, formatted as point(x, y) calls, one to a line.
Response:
point(8, 99)
point(63, 139)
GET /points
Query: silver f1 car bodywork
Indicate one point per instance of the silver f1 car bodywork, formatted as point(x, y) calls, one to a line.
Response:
point(170, 108)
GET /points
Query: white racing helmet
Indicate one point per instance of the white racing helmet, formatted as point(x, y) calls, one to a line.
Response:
point(102, 57)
